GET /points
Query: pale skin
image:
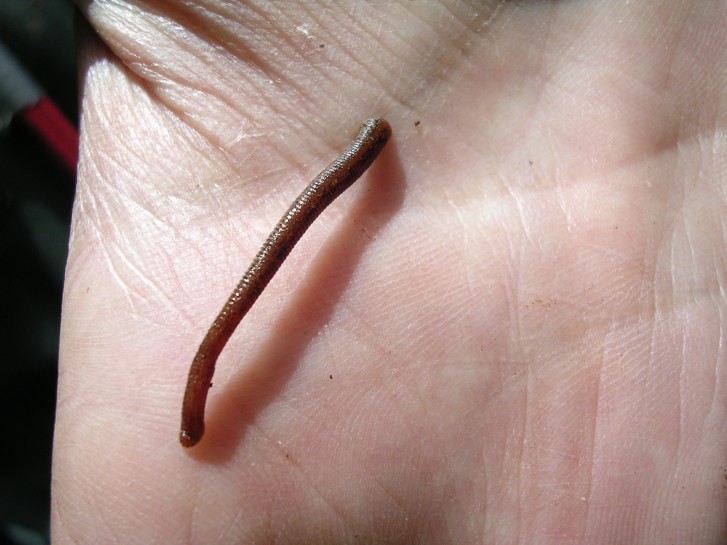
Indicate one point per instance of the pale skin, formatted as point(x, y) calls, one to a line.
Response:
point(510, 331)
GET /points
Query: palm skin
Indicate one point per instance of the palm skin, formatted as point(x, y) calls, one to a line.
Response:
point(509, 331)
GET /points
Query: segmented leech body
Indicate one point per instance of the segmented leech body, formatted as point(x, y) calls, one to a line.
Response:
point(329, 184)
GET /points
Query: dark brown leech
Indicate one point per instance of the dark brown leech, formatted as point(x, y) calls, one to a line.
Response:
point(329, 184)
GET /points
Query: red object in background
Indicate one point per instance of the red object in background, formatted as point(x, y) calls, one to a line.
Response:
point(50, 123)
point(19, 93)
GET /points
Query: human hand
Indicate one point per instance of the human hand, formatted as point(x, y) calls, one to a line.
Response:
point(509, 331)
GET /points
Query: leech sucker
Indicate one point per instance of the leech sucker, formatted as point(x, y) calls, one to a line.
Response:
point(329, 184)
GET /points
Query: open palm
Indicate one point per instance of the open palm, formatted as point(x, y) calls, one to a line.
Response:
point(511, 330)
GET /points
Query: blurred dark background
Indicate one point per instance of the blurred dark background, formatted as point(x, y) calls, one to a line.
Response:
point(36, 192)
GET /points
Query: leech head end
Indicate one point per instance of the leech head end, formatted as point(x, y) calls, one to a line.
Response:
point(189, 438)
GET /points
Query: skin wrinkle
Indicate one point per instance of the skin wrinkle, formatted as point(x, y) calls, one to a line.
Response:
point(513, 304)
point(648, 296)
point(226, 38)
point(372, 474)
point(383, 82)
point(133, 293)
point(425, 411)
point(671, 61)
point(692, 294)
point(433, 68)
point(179, 14)
point(279, 77)
point(129, 265)
point(476, 408)
point(90, 206)
point(523, 467)
point(225, 157)
point(588, 523)
point(468, 273)
point(681, 399)
point(290, 460)
point(127, 146)
point(352, 453)
point(146, 80)
point(460, 45)
point(716, 369)
point(367, 334)
point(227, 535)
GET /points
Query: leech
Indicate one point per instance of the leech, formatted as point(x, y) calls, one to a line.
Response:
point(329, 184)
